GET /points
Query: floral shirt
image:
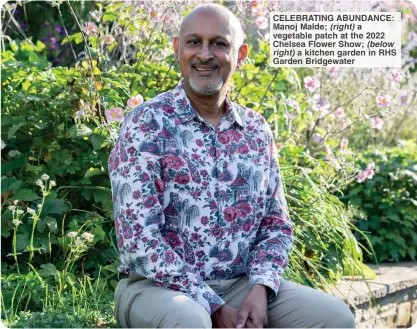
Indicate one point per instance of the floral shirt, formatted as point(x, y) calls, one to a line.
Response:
point(195, 203)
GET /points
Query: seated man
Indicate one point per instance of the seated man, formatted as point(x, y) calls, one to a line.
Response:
point(201, 220)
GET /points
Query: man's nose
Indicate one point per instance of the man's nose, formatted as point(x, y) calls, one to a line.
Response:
point(205, 52)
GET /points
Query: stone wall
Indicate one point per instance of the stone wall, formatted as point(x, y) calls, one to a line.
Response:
point(390, 301)
point(396, 310)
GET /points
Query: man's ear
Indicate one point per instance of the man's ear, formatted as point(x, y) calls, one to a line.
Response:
point(176, 49)
point(242, 55)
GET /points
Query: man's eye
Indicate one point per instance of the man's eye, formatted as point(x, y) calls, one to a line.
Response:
point(220, 44)
point(193, 42)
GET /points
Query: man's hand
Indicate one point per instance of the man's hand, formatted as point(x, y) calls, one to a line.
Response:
point(224, 317)
point(253, 313)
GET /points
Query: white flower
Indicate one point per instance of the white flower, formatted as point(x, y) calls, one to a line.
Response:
point(72, 234)
point(3, 145)
point(88, 236)
point(16, 222)
point(19, 211)
point(31, 211)
point(45, 177)
point(39, 183)
point(52, 183)
point(39, 205)
point(79, 242)
point(14, 153)
point(12, 208)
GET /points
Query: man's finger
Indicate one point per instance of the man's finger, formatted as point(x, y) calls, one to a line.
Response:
point(257, 322)
point(250, 324)
point(242, 316)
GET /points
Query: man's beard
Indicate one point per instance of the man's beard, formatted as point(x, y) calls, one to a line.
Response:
point(208, 88)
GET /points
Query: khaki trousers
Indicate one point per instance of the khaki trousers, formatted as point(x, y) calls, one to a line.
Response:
point(140, 304)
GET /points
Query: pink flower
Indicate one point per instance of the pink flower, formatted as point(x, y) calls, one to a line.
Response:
point(368, 173)
point(182, 179)
point(204, 220)
point(154, 257)
point(262, 22)
point(243, 149)
point(311, 83)
point(383, 101)
point(246, 226)
point(169, 256)
point(344, 145)
point(91, 28)
point(172, 239)
point(243, 209)
point(377, 123)
point(320, 103)
point(339, 113)
point(224, 138)
point(396, 76)
point(154, 14)
point(174, 162)
point(114, 114)
point(109, 39)
point(135, 101)
point(229, 214)
point(150, 201)
point(234, 135)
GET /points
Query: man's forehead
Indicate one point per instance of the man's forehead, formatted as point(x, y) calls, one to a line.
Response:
point(207, 34)
point(197, 22)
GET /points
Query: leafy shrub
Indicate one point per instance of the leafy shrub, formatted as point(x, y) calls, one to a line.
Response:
point(388, 203)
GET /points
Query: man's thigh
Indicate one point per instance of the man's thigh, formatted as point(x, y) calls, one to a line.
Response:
point(297, 306)
point(141, 304)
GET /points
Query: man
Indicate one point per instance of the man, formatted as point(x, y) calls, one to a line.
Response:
point(201, 220)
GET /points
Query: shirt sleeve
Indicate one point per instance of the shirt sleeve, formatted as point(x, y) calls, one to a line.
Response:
point(135, 169)
point(274, 239)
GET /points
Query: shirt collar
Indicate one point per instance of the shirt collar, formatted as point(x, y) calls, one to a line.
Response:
point(186, 112)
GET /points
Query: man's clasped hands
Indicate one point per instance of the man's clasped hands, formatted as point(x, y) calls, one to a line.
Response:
point(253, 312)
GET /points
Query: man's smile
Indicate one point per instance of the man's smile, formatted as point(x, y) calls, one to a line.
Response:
point(204, 68)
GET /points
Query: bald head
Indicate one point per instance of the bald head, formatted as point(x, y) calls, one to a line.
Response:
point(222, 13)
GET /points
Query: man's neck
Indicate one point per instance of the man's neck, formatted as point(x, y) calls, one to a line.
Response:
point(210, 107)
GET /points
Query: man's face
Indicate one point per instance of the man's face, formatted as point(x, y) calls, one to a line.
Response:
point(206, 53)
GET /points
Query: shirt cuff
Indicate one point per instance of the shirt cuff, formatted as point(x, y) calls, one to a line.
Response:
point(207, 298)
point(270, 279)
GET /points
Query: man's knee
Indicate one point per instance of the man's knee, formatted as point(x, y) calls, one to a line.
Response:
point(341, 316)
point(187, 314)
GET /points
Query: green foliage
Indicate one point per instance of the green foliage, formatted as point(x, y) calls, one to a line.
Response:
point(29, 301)
point(325, 247)
point(388, 203)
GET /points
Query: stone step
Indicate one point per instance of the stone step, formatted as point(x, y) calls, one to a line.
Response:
point(389, 301)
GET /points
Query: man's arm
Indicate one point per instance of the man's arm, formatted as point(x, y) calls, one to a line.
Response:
point(135, 167)
point(274, 238)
